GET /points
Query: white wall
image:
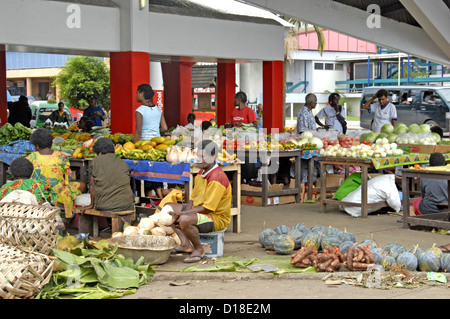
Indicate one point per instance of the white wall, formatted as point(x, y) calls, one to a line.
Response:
point(43, 25)
point(201, 37)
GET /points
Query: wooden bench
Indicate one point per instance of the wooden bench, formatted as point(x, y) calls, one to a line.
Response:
point(88, 221)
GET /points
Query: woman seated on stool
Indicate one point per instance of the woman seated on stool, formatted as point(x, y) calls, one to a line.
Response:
point(109, 185)
point(21, 170)
point(434, 191)
point(54, 168)
point(209, 208)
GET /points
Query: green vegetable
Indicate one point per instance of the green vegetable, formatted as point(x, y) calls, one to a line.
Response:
point(94, 273)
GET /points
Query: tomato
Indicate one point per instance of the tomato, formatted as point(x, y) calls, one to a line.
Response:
point(250, 200)
point(417, 166)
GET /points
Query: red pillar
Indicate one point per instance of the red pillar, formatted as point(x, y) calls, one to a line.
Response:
point(273, 95)
point(226, 90)
point(177, 77)
point(3, 97)
point(128, 70)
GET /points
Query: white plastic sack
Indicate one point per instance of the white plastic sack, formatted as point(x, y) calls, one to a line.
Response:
point(380, 188)
point(83, 200)
point(21, 197)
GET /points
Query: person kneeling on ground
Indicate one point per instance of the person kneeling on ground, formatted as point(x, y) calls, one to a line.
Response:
point(209, 208)
point(110, 180)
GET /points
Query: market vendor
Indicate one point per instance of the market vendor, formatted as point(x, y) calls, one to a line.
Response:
point(209, 208)
point(85, 124)
point(307, 122)
point(21, 169)
point(54, 167)
point(242, 114)
point(433, 191)
point(150, 122)
point(384, 112)
point(305, 117)
point(94, 112)
point(110, 187)
point(335, 115)
point(59, 115)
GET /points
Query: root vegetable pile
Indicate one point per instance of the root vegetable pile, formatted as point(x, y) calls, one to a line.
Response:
point(327, 261)
point(358, 258)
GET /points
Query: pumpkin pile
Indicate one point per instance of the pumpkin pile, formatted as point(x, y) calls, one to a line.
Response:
point(321, 247)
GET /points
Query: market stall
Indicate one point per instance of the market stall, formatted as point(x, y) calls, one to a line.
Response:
point(265, 158)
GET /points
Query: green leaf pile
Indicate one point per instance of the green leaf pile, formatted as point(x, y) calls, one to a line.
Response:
point(91, 273)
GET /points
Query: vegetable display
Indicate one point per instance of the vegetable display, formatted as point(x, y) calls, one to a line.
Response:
point(330, 249)
point(10, 133)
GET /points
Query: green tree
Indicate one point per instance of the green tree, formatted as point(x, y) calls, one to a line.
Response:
point(82, 76)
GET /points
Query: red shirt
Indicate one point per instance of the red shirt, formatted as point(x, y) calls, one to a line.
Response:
point(246, 115)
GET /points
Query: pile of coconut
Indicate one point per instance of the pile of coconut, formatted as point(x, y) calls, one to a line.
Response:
point(156, 224)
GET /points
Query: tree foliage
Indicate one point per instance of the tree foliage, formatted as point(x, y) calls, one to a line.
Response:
point(82, 76)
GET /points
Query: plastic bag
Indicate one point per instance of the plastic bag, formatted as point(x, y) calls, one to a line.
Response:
point(380, 188)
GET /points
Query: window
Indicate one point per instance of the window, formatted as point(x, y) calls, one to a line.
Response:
point(329, 66)
point(318, 66)
point(339, 66)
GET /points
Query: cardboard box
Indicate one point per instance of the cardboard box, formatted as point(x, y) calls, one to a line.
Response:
point(271, 201)
point(442, 149)
point(421, 149)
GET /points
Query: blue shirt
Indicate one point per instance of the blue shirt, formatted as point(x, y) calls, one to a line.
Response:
point(91, 110)
point(151, 119)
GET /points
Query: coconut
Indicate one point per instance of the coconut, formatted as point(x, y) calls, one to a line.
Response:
point(130, 230)
point(146, 223)
point(158, 231)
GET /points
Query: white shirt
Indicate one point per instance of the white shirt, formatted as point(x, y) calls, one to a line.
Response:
point(382, 116)
point(331, 118)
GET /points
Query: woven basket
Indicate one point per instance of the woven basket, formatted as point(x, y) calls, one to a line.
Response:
point(30, 227)
point(23, 274)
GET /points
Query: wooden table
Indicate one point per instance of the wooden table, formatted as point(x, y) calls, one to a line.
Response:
point(438, 220)
point(80, 167)
point(264, 156)
point(235, 169)
point(346, 162)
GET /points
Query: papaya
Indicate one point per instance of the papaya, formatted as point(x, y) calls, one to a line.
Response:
point(169, 142)
point(158, 139)
point(162, 147)
point(77, 153)
point(129, 146)
point(145, 147)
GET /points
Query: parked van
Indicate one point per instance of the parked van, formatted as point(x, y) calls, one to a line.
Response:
point(41, 111)
point(415, 104)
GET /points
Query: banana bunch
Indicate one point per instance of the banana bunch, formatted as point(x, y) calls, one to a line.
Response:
point(308, 146)
point(225, 157)
point(288, 146)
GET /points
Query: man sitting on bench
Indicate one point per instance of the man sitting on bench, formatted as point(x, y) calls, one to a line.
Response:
point(209, 208)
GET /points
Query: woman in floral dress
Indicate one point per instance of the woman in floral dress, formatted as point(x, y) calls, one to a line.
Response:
point(54, 168)
point(21, 170)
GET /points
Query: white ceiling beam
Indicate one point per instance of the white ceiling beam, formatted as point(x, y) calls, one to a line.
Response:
point(353, 22)
point(434, 20)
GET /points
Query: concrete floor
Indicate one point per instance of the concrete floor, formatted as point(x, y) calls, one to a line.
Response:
point(170, 283)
